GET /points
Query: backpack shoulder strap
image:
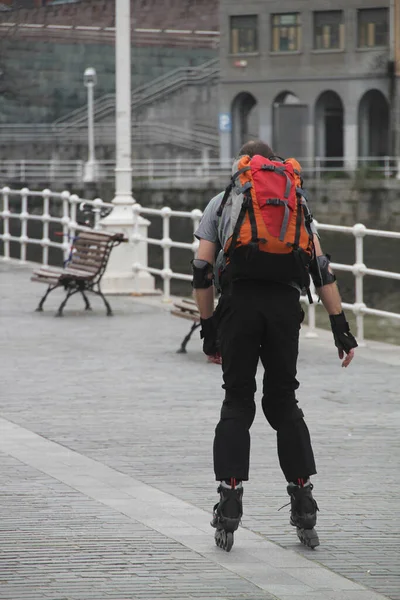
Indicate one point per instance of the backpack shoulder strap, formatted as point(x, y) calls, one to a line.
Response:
point(230, 187)
point(224, 199)
point(243, 209)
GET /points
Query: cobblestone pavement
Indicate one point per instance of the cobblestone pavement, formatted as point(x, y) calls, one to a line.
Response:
point(106, 464)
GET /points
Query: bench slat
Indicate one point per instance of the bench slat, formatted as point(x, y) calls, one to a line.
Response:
point(86, 267)
point(189, 317)
point(90, 248)
point(48, 271)
point(99, 236)
point(47, 280)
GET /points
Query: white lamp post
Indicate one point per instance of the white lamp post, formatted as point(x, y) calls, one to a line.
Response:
point(90, 80)
point(120, 277)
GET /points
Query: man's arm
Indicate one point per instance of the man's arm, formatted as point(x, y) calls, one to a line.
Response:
point(329, 293)
point(327, 290)
point(204, 297)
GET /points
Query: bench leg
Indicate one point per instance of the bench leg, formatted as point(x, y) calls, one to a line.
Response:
point(108, 307)
point(70, 293)
point(49, 289)
point(182, 349)
point(85, 298)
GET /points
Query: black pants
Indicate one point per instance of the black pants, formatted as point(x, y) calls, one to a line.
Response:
point(259, 320)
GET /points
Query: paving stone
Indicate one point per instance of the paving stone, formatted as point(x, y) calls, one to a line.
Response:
point(115, 391)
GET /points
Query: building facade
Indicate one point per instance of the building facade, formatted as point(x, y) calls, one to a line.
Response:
point(312, 77)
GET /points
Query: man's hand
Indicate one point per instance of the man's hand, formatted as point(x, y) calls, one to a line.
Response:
point(208, 334)
point(345, 342)
point(348, 359)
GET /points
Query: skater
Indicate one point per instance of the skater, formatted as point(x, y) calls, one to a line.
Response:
point(259, 238)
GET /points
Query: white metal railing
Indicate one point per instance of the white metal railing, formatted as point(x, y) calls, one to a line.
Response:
point(166, 243)
point(61, 208)
point(182, 169)
point(143, 133)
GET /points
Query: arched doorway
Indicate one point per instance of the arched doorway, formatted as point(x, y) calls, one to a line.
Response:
point(289, 119)
point(245, 120)
point(329, 125)
point(373, 125)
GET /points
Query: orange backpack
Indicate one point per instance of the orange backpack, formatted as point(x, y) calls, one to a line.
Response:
point(270, 236)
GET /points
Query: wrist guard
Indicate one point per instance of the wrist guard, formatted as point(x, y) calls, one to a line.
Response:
point(319, 271)
point(344, 340)
point(202, 274)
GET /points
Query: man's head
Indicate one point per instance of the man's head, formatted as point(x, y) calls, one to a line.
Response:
point(256, 147)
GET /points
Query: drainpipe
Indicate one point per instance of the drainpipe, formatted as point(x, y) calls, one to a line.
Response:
point(394, 78)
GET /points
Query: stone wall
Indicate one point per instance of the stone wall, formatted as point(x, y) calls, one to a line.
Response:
point(43, 81)
point(375, 203)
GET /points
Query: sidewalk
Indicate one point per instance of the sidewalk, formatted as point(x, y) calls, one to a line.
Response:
point(106, 464)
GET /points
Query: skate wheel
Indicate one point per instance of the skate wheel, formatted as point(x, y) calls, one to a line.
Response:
point(224, 539)
point(308, 537)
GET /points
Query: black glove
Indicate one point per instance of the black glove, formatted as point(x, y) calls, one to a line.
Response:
point(208, 334)
point(344, 340)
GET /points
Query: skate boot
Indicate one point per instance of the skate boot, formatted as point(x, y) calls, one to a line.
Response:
point(303, 514)
point(227, 513)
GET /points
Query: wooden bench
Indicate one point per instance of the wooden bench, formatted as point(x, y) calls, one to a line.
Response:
point(83, 271)
point(187, 309)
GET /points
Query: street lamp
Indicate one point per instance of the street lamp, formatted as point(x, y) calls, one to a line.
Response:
point(90, 80)
point(120, 277)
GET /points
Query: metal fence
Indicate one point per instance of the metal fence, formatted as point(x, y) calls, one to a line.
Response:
point(62, 209)
point(185, 169)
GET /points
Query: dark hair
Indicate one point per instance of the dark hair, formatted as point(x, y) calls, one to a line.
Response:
point(256, 147)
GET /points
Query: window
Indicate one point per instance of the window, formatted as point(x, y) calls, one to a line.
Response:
point(373, 27)
point(286, 32)
point(62, 1)
point(328, 30)
point(244, 34)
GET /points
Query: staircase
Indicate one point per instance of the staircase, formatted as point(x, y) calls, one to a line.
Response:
point(157, 90)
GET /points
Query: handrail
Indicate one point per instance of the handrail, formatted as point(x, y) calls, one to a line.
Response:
point(180, 170)
point(105, 134)
point(146, 92)
point(62, 208)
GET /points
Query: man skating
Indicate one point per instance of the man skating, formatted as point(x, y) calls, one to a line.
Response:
point(266, 245)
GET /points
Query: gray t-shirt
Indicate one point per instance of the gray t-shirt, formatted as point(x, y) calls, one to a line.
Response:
point(213, 228)
point(217, 229)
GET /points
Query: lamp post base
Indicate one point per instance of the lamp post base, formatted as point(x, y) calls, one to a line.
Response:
point(91, 172)
point(120, 277)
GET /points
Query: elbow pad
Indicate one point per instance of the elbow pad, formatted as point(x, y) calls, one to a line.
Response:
point(319, 271)
point(203, 274)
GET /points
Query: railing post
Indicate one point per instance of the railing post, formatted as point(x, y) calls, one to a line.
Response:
point(206, 161)
point(52, 170)
point(97, 202)
point(6, 222)
point(72, 226)
point(318, 168)
point(196, 216)
point(150, 169)
point(24, 223)
point(65, 223)
point(46, 217)
point(386, 166)
point(178, 168)
point(80, 170)
point(166, 243)
point(358, 271)
point(136, 259)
